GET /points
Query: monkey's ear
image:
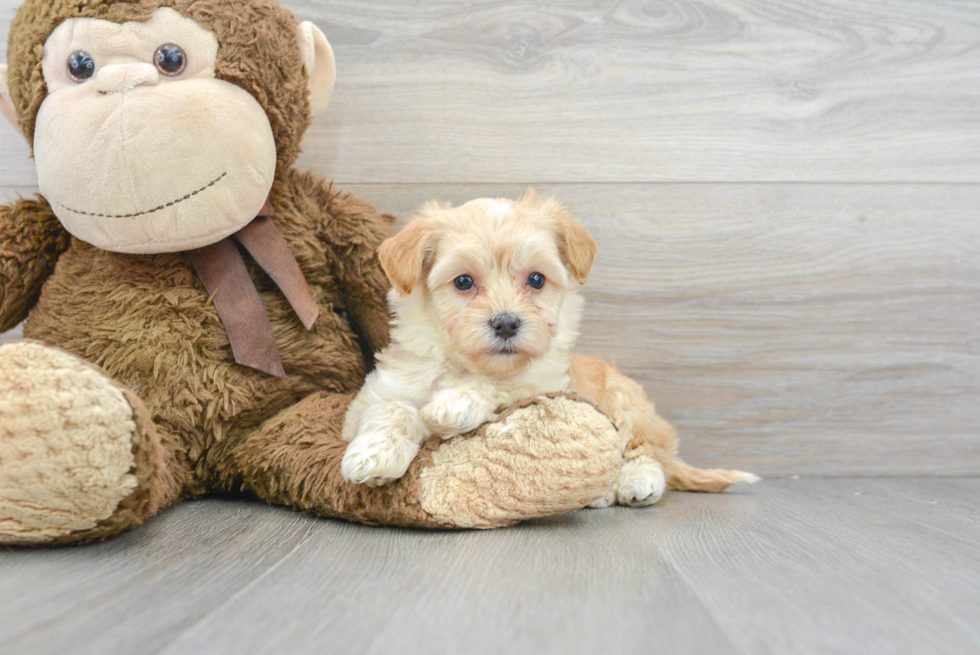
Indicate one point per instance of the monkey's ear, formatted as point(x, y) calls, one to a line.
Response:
point(403, 255)
point(6, 105)
point(319, 63)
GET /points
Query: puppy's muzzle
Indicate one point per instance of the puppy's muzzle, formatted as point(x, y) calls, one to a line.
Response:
point(505, 326)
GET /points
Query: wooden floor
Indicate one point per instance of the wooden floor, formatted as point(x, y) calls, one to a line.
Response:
point(786, 566)
point(785, 196)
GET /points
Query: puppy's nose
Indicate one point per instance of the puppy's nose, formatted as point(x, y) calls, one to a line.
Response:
point(505, 325)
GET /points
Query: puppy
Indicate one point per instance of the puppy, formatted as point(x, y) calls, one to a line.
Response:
point(486, 312)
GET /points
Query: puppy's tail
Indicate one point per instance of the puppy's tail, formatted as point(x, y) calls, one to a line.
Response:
point(682, 477)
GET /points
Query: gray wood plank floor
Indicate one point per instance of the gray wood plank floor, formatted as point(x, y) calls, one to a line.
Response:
point(787, 566)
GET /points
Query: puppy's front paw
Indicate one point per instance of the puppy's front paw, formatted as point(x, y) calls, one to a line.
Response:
point(375, 459)
point(641, 482)
point(452, 412)
point(387, 443)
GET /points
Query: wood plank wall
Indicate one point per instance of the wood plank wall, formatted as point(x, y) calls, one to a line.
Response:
point(785, 195)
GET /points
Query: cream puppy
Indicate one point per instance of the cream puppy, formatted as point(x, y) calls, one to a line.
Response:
point(486, 312)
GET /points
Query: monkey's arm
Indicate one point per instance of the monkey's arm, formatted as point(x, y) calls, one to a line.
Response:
point(355, 230)
point(31, 240)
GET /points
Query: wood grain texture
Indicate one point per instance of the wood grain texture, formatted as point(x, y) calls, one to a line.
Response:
point(133, 593)
point(472, 592)
point(785, 328)
point(843, 567)
point(634, 90)
point(804, 566)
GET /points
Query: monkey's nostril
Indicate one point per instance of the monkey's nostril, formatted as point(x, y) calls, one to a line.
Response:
point(505, 325)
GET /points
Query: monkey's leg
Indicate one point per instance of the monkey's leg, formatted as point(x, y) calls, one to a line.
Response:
point(80, 459)
point(549, 456)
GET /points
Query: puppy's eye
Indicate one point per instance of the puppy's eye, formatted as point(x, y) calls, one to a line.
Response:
point(535, 280)
point(81, 66)
point(463, 283)
point(170, 59)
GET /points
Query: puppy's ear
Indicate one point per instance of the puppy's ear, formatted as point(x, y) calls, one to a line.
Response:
point(575, 243)
point(580, 248)
point(402, 255)
point(530, 199)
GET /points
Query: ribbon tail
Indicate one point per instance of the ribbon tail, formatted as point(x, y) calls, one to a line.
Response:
point(239, 306)
point(269, 249)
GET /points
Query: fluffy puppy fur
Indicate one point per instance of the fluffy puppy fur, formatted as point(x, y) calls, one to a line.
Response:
point(486, 312)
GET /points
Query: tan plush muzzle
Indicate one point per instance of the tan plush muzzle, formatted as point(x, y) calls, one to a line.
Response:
point(138, 160)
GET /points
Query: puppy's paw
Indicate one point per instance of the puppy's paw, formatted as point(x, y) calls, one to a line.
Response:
point(606, 501)
point(375, 459)
point(452, 412)
point(386, 444)
point(641, 482)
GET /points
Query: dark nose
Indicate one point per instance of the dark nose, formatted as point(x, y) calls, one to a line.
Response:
point(505, 325)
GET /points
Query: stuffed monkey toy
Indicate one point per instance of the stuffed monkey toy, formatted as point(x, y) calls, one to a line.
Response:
point(199, 313)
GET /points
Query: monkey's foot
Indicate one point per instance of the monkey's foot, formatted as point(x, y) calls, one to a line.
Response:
point(68, 448)
point(544, 457)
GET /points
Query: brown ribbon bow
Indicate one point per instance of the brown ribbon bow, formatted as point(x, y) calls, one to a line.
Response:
point(222, 270)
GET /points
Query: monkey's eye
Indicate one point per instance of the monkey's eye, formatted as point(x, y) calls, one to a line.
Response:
point(535, 280)
point(463, 283)
point(170, 59)
point(81, 66)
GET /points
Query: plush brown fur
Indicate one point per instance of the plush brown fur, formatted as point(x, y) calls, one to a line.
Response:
point(32, 239)
point(204, 423)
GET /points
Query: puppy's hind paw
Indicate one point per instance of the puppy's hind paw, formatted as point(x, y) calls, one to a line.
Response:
point(641, 482)
point(606, 501)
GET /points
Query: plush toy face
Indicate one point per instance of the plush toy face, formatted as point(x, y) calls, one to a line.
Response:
point(141, 147)
point(139, 155)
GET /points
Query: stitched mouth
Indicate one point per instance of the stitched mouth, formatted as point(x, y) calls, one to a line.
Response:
point(149, 211)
